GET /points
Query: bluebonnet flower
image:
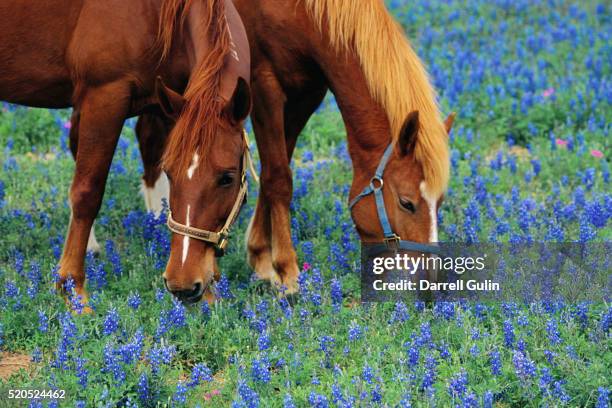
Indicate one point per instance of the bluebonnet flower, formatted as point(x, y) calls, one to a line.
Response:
point(487, 400)
point(248, 397)
point(95, 271)
point(263, 342)
point(144, 389)
point(413, 354)
point(67, 339)
point(199, 374)
point(554, 336)
point(111, 322)
point(523, 367)
point(205, 309)
point(131, 351)
point(159, 294)
point(113, 257)
point(223, 288)
point(336, 294)
point(521, 345)
point(180, 394)
point(112, 363)
point(509, 337)
point(354, 332)
point(134, 301)
point(444, 351)
point(367, 374)
point(400, 314)
point(172, 318)
point(11, 290)
point(81, 372)
point(159, 355)
point(317, 400)
point(445, 310)
point(550, 356)
point(288, 402)
point(603, 398)
point(43, 321)
point(458, 385)
point(571, 352)
point(326, 344)
point(430, 372)
point(496, 363)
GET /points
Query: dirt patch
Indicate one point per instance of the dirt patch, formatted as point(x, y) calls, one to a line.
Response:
point(11, 363)
point(520, 152)
point(41, 157)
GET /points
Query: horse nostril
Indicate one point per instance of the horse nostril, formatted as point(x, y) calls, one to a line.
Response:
point(190, 295)
point(197, 290)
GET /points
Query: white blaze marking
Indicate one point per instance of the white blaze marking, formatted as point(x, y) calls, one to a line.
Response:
point(154, 196)
point(433, 211)
point(195, 162)
point(186, 238)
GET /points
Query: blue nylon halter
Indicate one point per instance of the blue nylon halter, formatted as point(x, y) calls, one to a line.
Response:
point(391, 240)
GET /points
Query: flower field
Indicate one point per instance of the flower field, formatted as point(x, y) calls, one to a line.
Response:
point(531, 82)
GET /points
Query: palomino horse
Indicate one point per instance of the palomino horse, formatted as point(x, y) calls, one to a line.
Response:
point(302, 48)
point(106, 59)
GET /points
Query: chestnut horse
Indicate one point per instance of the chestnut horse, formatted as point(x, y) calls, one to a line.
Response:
point(106, 60)
point(302, 48)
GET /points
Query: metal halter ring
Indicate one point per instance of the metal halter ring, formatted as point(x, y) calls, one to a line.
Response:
point(375, 180)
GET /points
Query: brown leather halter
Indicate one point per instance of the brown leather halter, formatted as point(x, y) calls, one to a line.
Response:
point(219, 239)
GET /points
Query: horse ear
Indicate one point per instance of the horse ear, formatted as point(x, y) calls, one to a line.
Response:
point(448, 123)
point(171, 102)
point(409, 132)
point(240, 105)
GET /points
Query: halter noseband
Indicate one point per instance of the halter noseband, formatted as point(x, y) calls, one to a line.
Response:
point(391, 240)
point(219, 239)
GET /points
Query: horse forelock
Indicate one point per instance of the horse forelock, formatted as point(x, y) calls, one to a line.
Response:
point(396, 77)
point(202, 114)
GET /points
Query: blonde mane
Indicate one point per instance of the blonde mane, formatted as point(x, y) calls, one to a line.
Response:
point(202, 113)
point(394, 73)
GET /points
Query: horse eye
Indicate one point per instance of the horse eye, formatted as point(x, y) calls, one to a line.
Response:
point(226, 179)
point(407, 205)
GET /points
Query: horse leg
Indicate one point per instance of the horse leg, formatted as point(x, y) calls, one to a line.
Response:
point(267, 119)
point(152, 131)
point(92, 242)
point(101, 116)
point(284, 258)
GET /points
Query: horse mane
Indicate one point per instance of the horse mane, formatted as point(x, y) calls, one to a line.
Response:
point(202, 113)
point(394, 74)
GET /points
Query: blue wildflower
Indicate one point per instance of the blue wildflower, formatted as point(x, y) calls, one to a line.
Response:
point(134, 301)
point(111, 322)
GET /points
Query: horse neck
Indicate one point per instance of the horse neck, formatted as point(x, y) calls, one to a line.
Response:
point(367, 123)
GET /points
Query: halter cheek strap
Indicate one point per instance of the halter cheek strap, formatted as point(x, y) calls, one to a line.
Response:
point(391, 240)
point(220, 239)
point(376, 186)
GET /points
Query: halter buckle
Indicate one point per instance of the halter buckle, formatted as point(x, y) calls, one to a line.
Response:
point(392, 242)
point(375, 180)
point(220, 247)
